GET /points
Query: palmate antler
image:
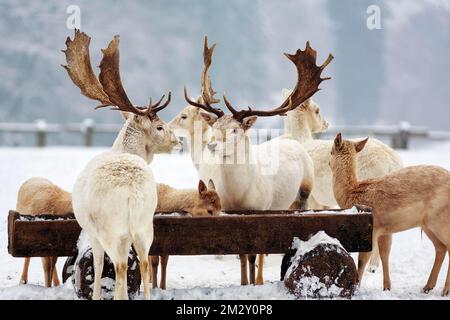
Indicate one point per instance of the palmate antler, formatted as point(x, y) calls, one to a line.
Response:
point(308, 81)
point(108, 89)
point(207, 90)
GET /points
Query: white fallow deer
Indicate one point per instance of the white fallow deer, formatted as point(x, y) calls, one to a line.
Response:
point(114, 197)
point(39, 196)
point(200, 202)
point(242, 179)
point(189, 123)
point(375, 161)
point(416, 196)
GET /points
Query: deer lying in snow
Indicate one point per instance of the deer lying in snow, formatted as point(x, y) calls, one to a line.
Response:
point(39, 196)
point(203, 201)
point(115, 196)
point(236, 167)
point(375, 161)
point(417, 196)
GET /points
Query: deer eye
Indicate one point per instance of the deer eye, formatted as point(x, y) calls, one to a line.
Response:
point(159, 128)
point(317, 111)
point(234, 130)
point(184, 117)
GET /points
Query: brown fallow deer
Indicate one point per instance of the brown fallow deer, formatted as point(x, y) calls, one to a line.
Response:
point(416, 196)
point(200, 202)
point(38, 196)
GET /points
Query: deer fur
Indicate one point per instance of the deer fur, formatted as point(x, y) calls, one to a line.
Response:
point(244, 185)
point(376, 160)
point(38, 196)
point(189, 123)
point(416, 196)
point(115, 196)
point(203, 201)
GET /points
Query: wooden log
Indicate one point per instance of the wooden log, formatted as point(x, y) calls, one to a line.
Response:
point(242, 232)
point(325, 271)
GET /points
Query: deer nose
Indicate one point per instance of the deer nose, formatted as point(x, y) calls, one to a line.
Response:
point(212, 146)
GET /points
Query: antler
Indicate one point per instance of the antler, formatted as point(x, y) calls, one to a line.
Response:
point(109, 90)
point(207, 90)
point(308, 81)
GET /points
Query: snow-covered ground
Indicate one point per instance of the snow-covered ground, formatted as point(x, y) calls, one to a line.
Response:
point(201, 277)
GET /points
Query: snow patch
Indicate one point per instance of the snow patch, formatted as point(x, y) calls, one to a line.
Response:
point(304, 247)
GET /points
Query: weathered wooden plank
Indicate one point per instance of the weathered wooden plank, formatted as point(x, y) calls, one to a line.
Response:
point(236, 232)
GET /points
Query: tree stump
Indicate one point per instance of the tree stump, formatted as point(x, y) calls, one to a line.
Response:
point(81, 268)
point(321, 268)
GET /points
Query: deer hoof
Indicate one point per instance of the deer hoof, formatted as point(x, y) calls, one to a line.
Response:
point(427, 289)
point(259, 282)
point(387, 289)
point(446, 292)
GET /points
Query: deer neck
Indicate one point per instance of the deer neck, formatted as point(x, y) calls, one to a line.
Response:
point(240, 175)
point(170, 199)
point(296, 125)
point(196, 141)
point(344, 180)
point(133, 140)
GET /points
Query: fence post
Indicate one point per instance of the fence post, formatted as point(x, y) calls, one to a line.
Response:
point(400, 139)
point(87, 130)
point(41, 132)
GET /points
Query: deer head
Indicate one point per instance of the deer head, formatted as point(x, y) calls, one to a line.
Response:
point(308, 111)
point(207, 201)
point(343, 152)
point(143, 125)
point(185, 122)
point(231, 130)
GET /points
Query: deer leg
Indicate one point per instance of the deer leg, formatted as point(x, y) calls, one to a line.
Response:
point(155, 264)
point(119, 256)
point(98, 254)
point(363, 258)
point(54, 272)
point(374, 259)
point(446, 290)
point(142, 247)
point(244, 277)
point(260, 275)
point(440, 252)
point(24, 276)
point(164, 261)
point(251, 266)
point(46, 265)
point(384, 245)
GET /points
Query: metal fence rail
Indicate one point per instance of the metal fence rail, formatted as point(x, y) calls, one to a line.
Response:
point(399, 135)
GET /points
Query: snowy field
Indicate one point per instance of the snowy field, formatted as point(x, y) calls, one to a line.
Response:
point(201, 277)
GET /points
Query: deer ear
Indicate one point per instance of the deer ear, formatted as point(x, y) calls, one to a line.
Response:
point(209, 118)
point(248, 122)
point(360, 144)
point(338, 141)
point(211, 185)
point(201, 187)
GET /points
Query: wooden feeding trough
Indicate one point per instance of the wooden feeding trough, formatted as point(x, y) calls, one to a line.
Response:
point(234, 232)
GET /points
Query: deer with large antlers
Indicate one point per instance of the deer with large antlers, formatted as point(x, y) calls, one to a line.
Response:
point(242, 179)
point(115, 197)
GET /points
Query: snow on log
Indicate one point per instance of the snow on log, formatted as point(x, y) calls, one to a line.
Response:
point(320, 268)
